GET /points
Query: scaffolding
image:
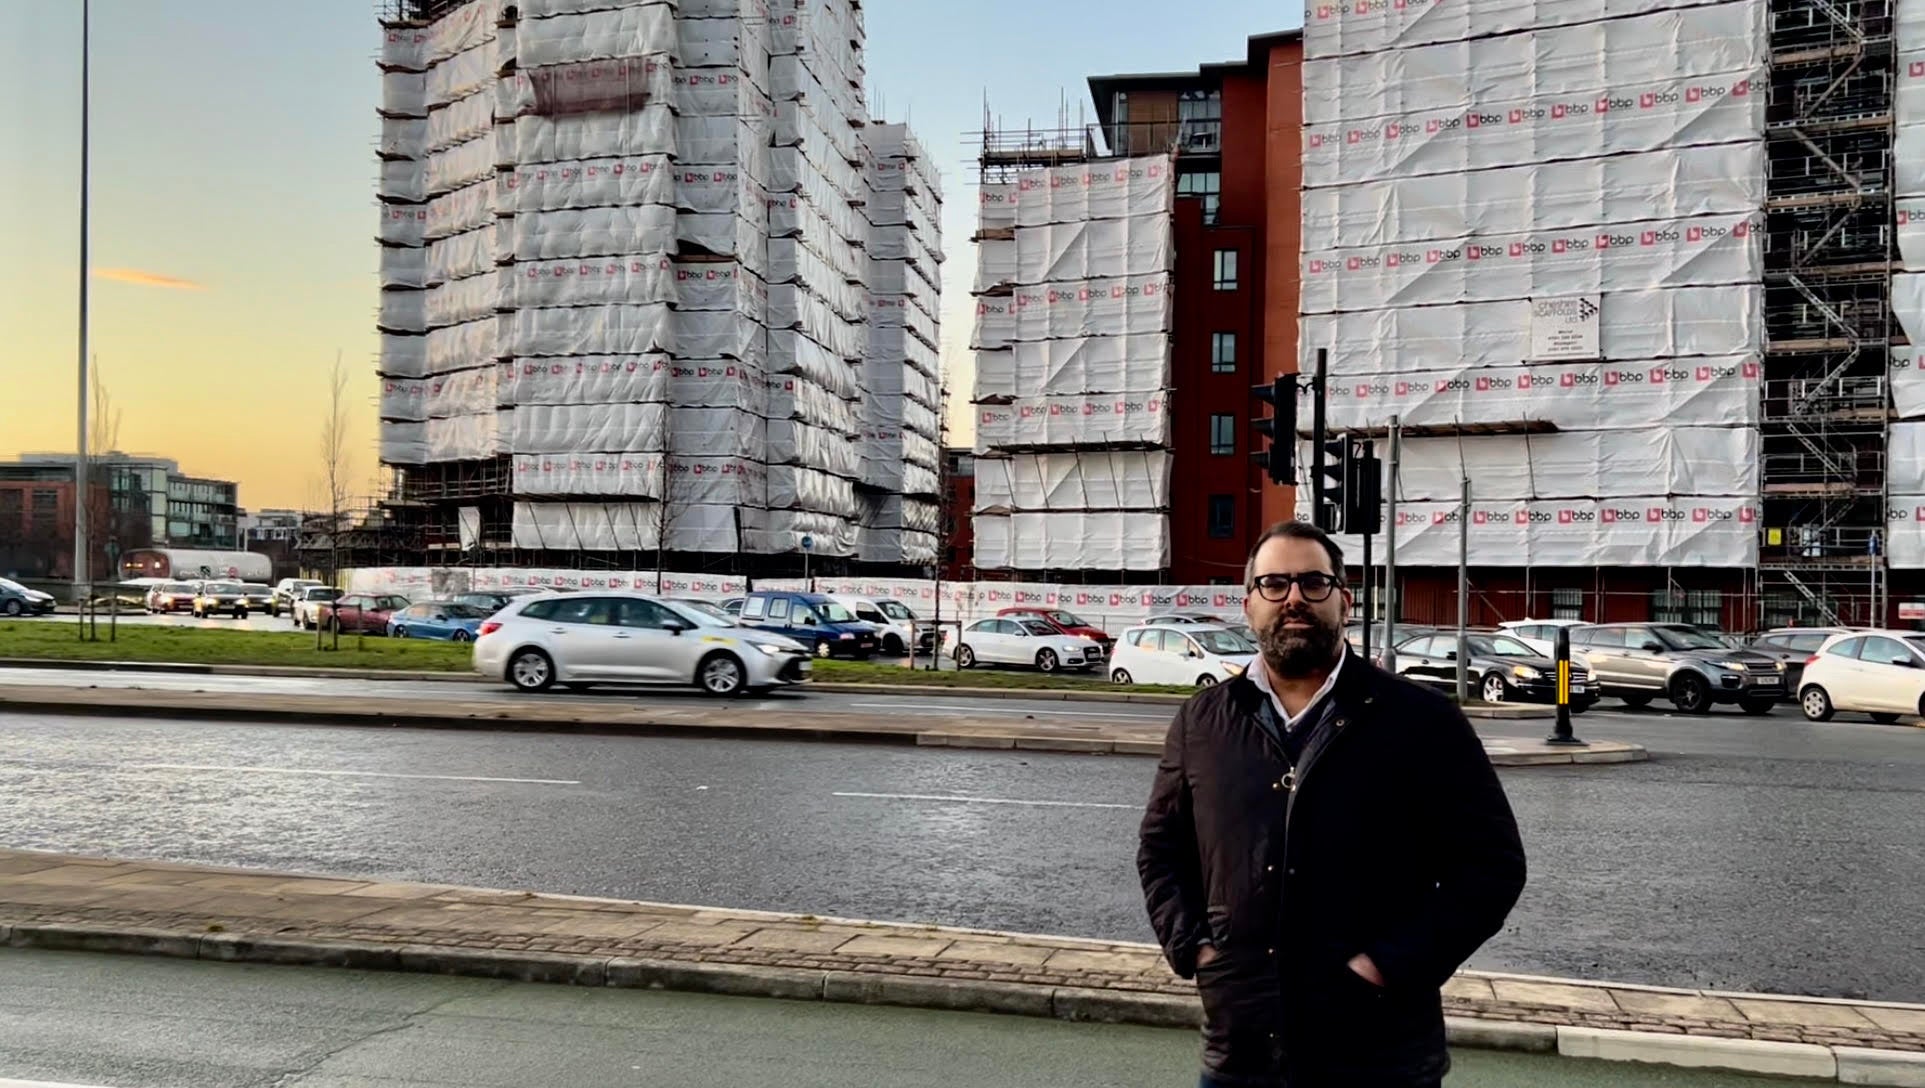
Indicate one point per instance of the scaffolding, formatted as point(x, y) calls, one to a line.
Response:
point(1828, 259)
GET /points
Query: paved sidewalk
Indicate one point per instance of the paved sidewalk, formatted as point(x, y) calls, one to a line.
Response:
point(717, 719)
point(53, 901)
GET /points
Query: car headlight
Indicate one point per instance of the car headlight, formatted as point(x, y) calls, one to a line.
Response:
point(1781, 666)
point(845, 635)
point(1524, 672)
point(772, 651)
point(1729, 666)
point(1230, 668)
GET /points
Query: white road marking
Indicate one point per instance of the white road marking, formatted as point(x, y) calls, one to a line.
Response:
point(973, 709)
point(343, 774)
point(41, 1084)
point(981, 800)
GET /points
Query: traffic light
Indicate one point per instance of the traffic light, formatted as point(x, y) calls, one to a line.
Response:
point(1352, 492)
point(1333, 478)
point(1278, 459)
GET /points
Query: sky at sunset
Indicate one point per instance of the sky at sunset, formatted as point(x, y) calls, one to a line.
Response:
point(233, 208)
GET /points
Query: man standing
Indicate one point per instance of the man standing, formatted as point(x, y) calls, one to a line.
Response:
point(1324, 845)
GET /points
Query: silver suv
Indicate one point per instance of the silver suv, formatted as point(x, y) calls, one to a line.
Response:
point(1639, 662)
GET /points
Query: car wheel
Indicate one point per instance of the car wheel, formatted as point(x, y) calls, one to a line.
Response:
point(1206, 681)
point(1046, 660)
point(1121, 676)
point(1691, 694)
point(462, 636)
point(965, 657)
point(823, 649)
point(1757, 708)
point(15, 608)
point(1816, 703)
point(892, 646)
point(531, 670)
point(722, 675)
point(1637, 701)
point(401, 632)
point(1884, 717)
point(1495, 689)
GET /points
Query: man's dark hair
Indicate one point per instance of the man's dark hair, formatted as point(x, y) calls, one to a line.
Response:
point(1294, 530)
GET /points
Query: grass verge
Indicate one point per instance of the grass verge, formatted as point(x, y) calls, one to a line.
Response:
point(892, 673)
point(55, 640)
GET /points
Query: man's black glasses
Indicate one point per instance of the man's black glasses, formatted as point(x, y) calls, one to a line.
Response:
point(1315, 585)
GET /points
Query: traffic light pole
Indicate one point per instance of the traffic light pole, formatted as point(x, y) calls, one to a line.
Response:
point(1317, 384)
point(1390, 546)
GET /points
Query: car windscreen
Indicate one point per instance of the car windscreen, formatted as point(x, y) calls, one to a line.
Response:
point(1227, 643)
point(1686, 638)
point(895, 610)
point(177, 587)
point(700, 613)
point(1066, 619)
point(1037, 627)
point(214, 588)
point(323, 594)
point(835, 613)
point(12, 586)
point(1497, 646)
point(253, 590)
point(460, 611)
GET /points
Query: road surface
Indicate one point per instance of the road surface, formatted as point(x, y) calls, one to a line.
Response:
point(147, 1023)
point(1747, 855)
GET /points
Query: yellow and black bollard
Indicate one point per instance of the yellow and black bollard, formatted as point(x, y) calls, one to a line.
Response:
point(1562, 735)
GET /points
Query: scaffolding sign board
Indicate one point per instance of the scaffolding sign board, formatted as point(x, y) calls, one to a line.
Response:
point(1565, 328)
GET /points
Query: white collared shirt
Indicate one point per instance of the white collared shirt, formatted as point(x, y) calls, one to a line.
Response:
point(1259, 674)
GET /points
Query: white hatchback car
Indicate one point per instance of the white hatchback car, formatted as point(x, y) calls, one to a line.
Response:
point(580, 639)
point(1880, 673)
point(1189, 656)
point(1016, 640)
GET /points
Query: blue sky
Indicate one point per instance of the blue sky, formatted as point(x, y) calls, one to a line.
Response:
point(233, 210)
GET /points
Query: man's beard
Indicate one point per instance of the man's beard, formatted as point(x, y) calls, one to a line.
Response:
point(1301, 651)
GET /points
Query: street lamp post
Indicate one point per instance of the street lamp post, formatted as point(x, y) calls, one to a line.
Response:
point(82, 568)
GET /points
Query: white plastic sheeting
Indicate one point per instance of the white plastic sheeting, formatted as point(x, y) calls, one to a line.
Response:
point(588, 527)
point(1132, 305)
point(591, 232)
point(634, 30)
point(1090, 419)
point(565, 429)
point(1624, 532)
point(1089, 540)
point(596, 330)
point(1706, 391)
point(467, 392)
point(1907, 378)
point(634, 476)
point(1671, 184)
point(415, 48)
point(1583, 464)
point(1100, 364)
point(1106, 480)
point(458, 438)
point(1908, 110)
point(1905, 457)
point(1633, 325)
point(590, 379)
point(1669, 112)
point(1137, 246)
point(1338, 28)
point(793, 488)
point(794, 443)
point(1701, 251)
point(1694, 41)
point(638, 279)
point(1113, 189)
point(1908, 304)
point(594, 183)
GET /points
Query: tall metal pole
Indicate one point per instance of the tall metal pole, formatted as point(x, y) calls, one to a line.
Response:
point(1316, 439)
point(1463, 595)
point(82, 571)
point(1390, 547)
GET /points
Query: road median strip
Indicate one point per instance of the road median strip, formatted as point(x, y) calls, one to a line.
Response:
point(711, 719)
point(67, 903)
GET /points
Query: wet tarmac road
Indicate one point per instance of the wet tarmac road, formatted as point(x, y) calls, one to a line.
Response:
point(1747, 855)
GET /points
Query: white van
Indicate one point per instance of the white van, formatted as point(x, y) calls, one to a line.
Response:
point(901, 627)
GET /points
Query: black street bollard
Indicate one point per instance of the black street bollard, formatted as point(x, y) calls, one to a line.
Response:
point(1563, 736)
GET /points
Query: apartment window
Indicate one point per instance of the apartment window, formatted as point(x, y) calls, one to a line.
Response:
point(1567, 604)
point(1223, 435)
point(1226, 270)
point(1697, 607)
point(1223, 517)
point(1223, 353)
point(1199, 116)
point(1206, 185)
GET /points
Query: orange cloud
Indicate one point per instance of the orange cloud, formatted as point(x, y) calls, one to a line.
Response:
point(147, 279)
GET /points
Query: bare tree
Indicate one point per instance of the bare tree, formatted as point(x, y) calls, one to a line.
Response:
point(334, 477)
point(103, 426)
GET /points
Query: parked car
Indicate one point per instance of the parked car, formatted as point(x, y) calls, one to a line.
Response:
point(220, 599)
point(1021, 640)
point(361, 613)
point(260, 599)
point(813, 620)
point(1065, 622)
point(899, 627)
point(171, 597)
point(1880, 673)
point(288, 590)
point(577, 640)
point(1541, 636)
point(1502, 669)
point(1354, 635)
point(1185, 619)
point(18, 600)
point(707, 608)
point(486, 601)
point(733, 606)
point(1794, 646)
point(1187, 655)
point(306, 613)
point(440, 621)
point(1638, 662)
